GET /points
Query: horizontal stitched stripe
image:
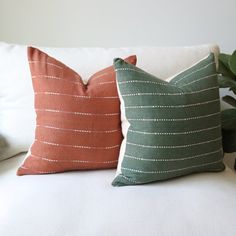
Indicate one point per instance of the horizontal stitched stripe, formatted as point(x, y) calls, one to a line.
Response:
point(79, 130)
point(76, 146)
point(176, 133)
point(37, 171)
point(130, 69)
point(74, 161)
point(142, 81)
point(130, 180)
point(195, 71)
point(47, 63)
point(76, 96)
point(169, 171)
point(137, 182)
point(76, 113)
point(197, 80)
point(175, 146)
point(170, 94)
point(173, 159)
point(57, 78)
point(177, 119)
point(175, 106)
point(107, 82)
point(101, 75)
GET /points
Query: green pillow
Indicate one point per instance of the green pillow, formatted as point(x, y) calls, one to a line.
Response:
point(171, 128)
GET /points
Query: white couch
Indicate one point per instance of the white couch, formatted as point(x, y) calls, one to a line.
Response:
point(84, 203)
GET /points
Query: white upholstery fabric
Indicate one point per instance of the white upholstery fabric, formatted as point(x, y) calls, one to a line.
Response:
point(17, 117)
point(84, 203)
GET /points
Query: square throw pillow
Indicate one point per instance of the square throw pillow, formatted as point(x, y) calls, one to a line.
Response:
point(170, 128)
point(78, 125)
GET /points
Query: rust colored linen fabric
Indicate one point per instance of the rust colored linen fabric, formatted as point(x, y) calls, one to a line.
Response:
point(78, 126)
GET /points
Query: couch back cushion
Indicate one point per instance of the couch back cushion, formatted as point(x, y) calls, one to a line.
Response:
point(16, 92)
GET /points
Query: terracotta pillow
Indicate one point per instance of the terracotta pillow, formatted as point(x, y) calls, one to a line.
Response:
point(78, 125)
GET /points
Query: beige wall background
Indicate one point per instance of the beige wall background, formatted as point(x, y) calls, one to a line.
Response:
point(117, 23)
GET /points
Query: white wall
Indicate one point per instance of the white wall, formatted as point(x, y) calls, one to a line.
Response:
point(118, 22)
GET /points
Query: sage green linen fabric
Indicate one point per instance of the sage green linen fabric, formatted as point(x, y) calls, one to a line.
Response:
point(175, 126)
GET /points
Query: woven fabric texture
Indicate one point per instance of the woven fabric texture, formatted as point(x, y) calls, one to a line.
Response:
point(78, 125)
point(174, 127)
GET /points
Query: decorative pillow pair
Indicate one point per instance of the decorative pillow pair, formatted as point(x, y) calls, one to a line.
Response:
point(170, 129)
point(16, 135)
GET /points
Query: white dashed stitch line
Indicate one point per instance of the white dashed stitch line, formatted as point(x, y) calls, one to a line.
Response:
point(76, 96)
point(175, 133)
point(174, 119)
point(194, 72)
point(74, 161)
point(173, 146)
point(173, 159)
point(170, 94)
point(76, 113)
point(47, 63)
point(169, 171)
point(78, 130)
point(77, 146)
point(174, 106)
